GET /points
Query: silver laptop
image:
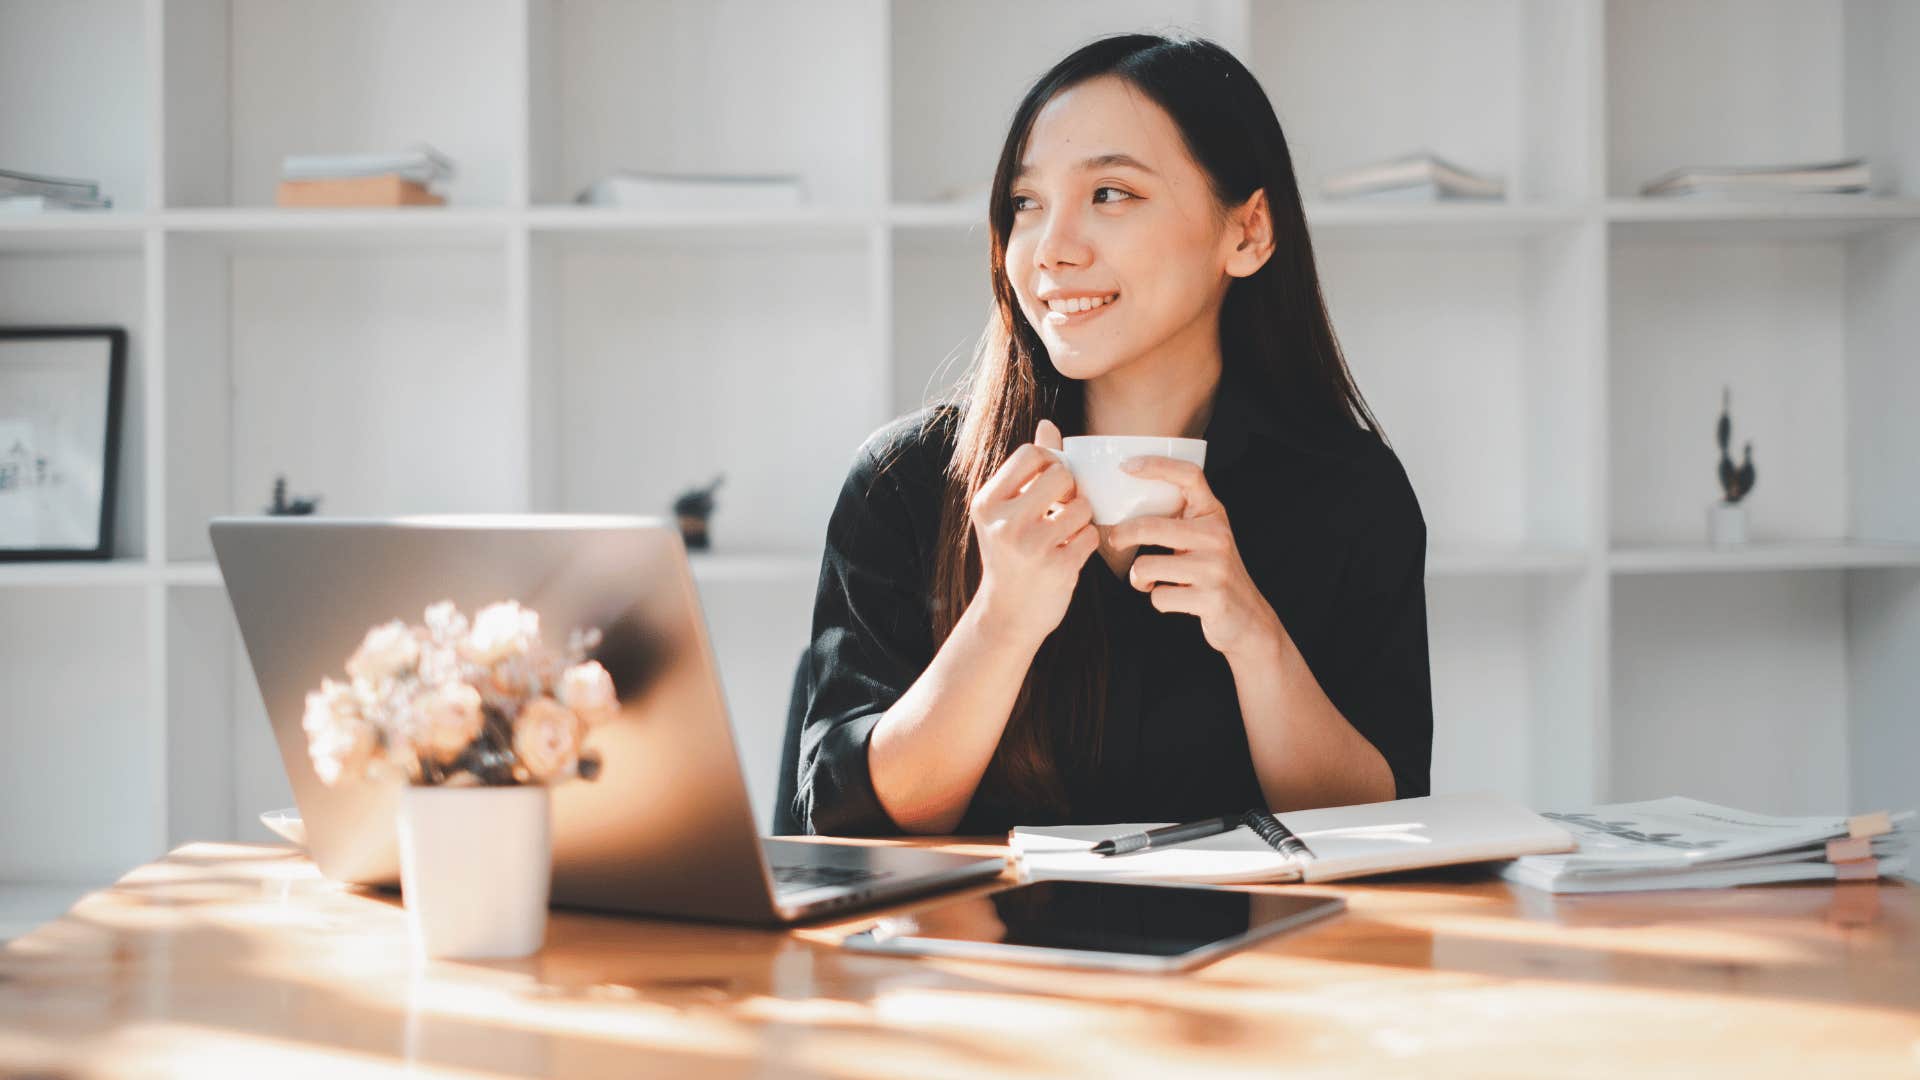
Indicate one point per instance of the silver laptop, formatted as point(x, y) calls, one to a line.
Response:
point(666, 827)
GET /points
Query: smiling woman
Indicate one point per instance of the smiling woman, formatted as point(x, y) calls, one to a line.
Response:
point(972, 666)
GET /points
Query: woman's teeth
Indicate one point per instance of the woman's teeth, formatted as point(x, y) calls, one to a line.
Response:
point(1081, 303)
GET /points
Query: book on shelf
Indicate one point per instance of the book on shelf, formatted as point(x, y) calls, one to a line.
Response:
point(59, 187)
point(633, 190)
point(1847, 176)
point(389, 190)
point(1326, 844)
point(27, 193)
point(419, 163)
point(1417, 176)
point(1681, 843)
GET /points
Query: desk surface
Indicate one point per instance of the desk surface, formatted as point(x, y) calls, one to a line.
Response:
point(242, 959)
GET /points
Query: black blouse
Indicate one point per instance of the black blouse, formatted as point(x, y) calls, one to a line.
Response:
point(1328, 528)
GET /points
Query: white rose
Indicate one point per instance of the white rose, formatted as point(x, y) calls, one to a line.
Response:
point(445, 623)
point(445, 721)
point(546, 740)
point(502, 630)
point(587, 689)
point(385, 652)
point(340, 740)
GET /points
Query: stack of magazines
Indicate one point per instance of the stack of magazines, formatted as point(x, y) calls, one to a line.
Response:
point(1852, 176)
point(1680, 843)
point(415, 176)
point(1421, 176)
point(23, 192)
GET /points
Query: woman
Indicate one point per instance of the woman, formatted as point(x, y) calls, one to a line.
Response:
point(973, 665)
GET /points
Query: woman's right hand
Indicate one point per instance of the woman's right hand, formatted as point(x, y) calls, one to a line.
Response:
point(1035, 532)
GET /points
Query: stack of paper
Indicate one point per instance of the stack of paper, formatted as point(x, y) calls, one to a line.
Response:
point(22, 192)
point(412, 177)
point(1680, 843)
point(694, 191)
point(1422, 176)
point(1852, 176)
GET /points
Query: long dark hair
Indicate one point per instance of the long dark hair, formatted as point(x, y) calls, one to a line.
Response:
point(1274, 335)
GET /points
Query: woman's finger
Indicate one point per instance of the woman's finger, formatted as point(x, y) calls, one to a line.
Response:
point(1180, 534)
point(1185, 475)
point(1181, 598)
point(1150, 570)
point(1052, 485)
point(1022, 465)
point(1066, 518)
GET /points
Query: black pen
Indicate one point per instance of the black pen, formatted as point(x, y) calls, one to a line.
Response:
point(1168, 835)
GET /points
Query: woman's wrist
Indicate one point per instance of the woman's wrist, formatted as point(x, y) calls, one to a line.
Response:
point(995, 620)
point(1266, 646)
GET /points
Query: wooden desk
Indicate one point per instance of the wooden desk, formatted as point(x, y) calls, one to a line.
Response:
point(240, 959)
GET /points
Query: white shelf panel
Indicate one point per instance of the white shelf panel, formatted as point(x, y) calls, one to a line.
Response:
point(1442, 221)
point(1761, 555)
point(202, 573)
point(75, 573)
point(278, 229)
point(710, 567)
point(1808, 218)
point(1449, 561)
point(584, 226)
point(64, 231)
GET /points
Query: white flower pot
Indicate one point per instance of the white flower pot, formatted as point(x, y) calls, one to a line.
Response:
point(1726, 524)
point(476, 867)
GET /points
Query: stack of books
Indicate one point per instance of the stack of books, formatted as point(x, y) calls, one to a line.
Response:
point(1421, 176)
point(1852, 176)
point(412, 177)
point(1680, 843)
point(634, 190)
point(23, 192)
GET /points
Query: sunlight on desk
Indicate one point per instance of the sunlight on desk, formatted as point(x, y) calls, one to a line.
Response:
point(243, 959)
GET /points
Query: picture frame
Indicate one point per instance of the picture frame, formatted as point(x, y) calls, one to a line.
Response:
point(61, 391)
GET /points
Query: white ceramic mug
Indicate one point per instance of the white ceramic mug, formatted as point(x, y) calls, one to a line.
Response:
point(1116, 495)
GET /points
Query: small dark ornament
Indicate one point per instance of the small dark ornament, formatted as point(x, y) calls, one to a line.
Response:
point(283, 507)
point(692, 509)
point(1735, 481)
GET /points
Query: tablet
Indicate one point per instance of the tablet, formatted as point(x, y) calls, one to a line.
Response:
point(1127, 926)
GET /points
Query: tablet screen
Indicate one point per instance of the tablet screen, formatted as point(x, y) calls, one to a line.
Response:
point(1160, 924)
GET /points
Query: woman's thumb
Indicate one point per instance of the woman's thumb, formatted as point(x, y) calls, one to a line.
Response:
point(1046, 434)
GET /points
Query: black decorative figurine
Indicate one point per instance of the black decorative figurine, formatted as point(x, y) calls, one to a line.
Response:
point(693, 508)
point(282, 507)
point(1735, 483)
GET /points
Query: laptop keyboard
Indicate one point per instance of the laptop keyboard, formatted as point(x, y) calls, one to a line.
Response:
point(810, 876)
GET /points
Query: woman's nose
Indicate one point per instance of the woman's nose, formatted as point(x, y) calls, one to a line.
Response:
point(1061, 243)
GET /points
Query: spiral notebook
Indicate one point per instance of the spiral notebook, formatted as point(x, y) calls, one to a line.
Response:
point(1305, 845)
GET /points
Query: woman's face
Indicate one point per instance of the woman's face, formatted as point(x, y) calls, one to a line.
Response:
point(1110, 210)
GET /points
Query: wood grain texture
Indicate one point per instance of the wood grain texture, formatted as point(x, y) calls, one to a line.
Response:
point(241, 959)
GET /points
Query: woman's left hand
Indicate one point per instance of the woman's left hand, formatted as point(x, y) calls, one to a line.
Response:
point(1204, 575)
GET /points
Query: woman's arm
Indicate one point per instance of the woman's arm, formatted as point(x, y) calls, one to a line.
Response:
point(898, 734)
point(930, 750)
point(1308, 751)
point(1304, 751)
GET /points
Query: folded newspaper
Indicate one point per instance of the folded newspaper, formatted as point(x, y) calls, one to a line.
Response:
point(1681, 843)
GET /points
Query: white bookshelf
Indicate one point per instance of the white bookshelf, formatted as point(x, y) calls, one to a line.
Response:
point(1548, 369)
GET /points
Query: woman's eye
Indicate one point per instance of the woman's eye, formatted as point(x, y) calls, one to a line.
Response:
point(1016, 203)
point(1115, 190)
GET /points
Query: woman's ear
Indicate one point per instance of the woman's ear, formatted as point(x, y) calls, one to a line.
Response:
point(1250, 232)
